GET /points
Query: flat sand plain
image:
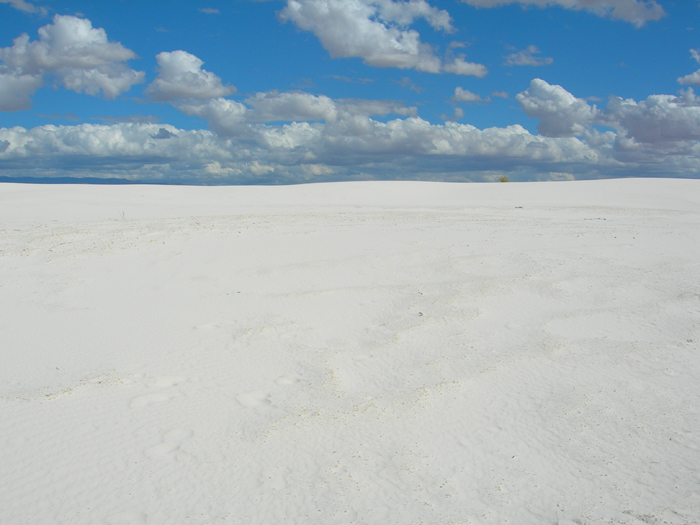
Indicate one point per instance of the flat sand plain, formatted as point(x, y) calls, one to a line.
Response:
point(371, 352)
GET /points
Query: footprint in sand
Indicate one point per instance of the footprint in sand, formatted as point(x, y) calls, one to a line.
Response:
point(161, 390)
point(286, 380)
point(166, 381)
point(261, 398)
point(255, 399)
point(150, 399)
point(170, 445)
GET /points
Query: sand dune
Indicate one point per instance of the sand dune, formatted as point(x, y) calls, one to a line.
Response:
point(374, 352)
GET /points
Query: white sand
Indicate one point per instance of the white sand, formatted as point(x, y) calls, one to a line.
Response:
point(383, 352)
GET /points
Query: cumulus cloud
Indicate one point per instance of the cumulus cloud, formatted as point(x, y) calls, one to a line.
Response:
point(560, 113)
point(163, 133)
point(78, 55)
point(417, 136)
point(296, 151)
point(183, 83)
point(225, 117)
point(181, 76)
point(273, 106)
point(370, 108)
point(460, 67)
point(132, 151)
point(637, 12)
point(106, 145)
point(68, 43)
point(296, 136)
point(259, 169)
point(229, 118)
point(464, 95)
point(694, 78)
point(374, 30)
point(660, 135)
point(526, 57)
point(22, 5)
point(318, 169)
point(658, 119)
point(15, 89)
point(405, 13)
point(293, 106)
point(350, 146)
point(112, 79)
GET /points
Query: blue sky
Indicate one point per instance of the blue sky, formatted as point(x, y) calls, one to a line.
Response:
point(310, 90)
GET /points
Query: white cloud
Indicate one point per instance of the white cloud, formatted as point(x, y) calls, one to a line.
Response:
point(259, 169)
point(68, 43)
point(352, 144)
point(637, 12)
point(132, 151)
point(22, 5)
point(560, 113)
point(112, 79)
point(183, 83)
point(163, 134)
point(181, 76)
point(293, 106)
point(297, 151)
point(658, 119)
point(272, 106)
point(15, 90)
point(318, 169)
point(659, 135)
point(460, 67)
point(458, 114)
point(208, 10)
point(405, 13)
point(464, 95)
point(694, 78)
point(525, 58)
point(415, 137)
point(225, 117)
point(108, 144)
point(78, 55)
point(371, 108)
point(499, 94)
point(336, 139)
point(669, 159)
point(374, 30)
point(218, 171)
